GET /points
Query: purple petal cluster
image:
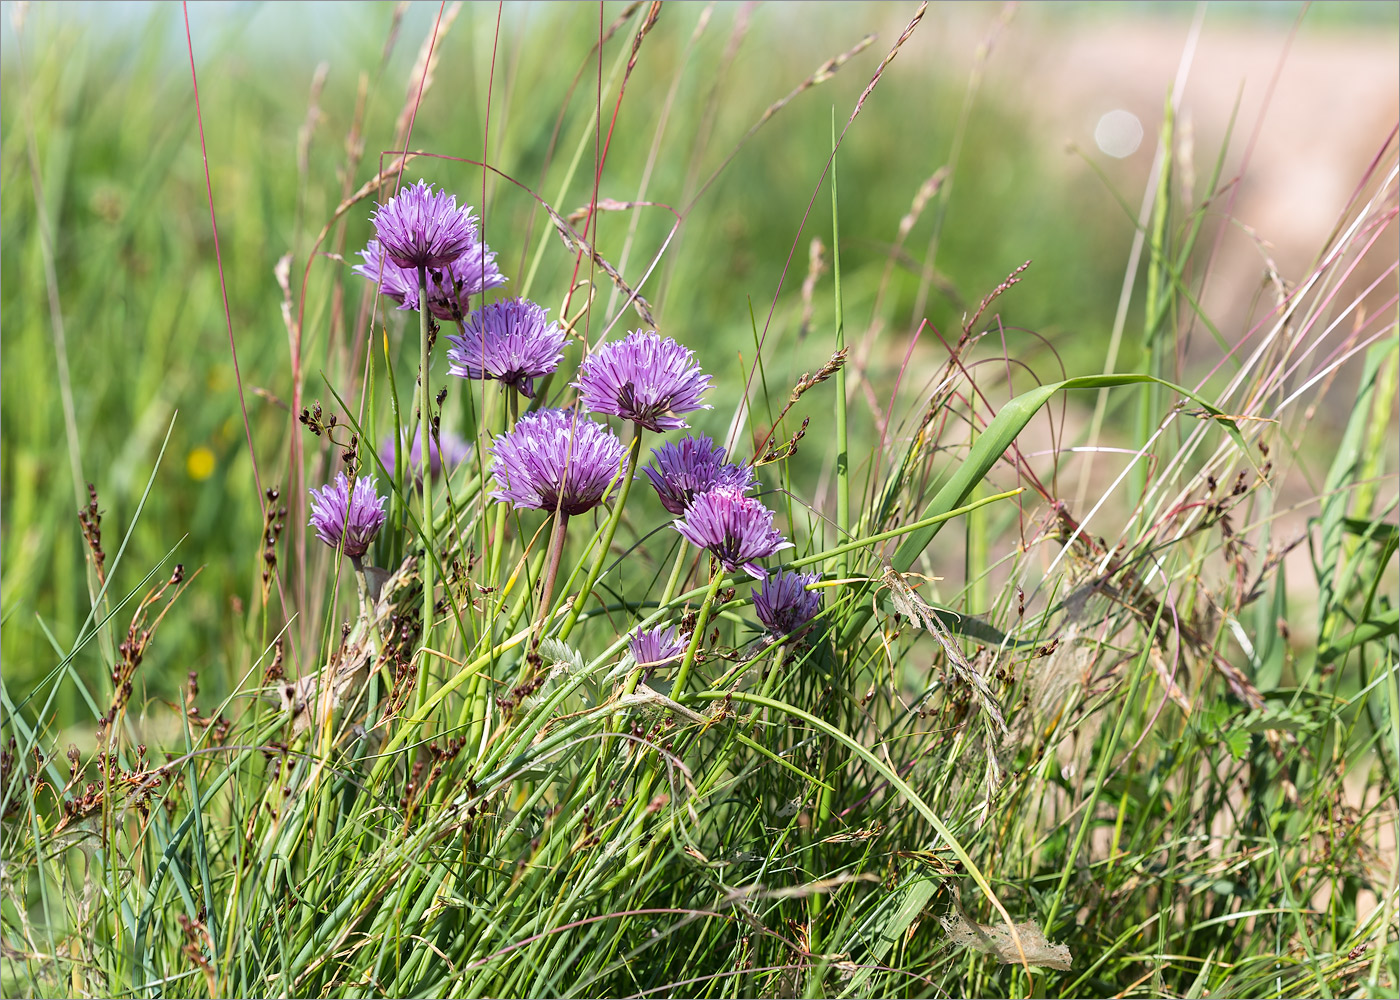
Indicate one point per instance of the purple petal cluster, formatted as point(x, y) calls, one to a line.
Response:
point(420, 227)
point(445, 449)
point(511, 341)
point(657, 647)
point(393, 281)
point(449, 288)
point(737, 529)
point(347, 515)
point(784, 604)
point(645, 378)
point(682, 471)
point(555, 459)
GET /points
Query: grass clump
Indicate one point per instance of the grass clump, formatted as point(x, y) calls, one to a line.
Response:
point(856, 693)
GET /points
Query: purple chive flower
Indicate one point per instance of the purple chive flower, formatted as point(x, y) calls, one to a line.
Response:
point(447, 447)
point(511, 341)
point(645, 378)
point(784, 604)
point(737, 529)
point(394, 282)
point(554, 458)
point(346, 515)
point(692, 466)
point(420, 227)
point(657, 647)
point(449, 288)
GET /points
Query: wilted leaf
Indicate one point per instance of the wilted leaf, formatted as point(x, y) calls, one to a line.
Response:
point(996, 940)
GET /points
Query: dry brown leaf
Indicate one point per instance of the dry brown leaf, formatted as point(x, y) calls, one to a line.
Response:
point(997, 940)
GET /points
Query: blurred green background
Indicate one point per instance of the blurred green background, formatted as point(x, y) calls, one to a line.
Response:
point(99, 118)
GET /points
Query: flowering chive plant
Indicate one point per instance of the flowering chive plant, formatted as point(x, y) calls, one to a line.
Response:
point(425, 232)
point(645, 378)
point(511, 341)
point(784, 604)
point(655, 648)
point(395, 283)
point(479, 783)
point(737, 529)
point(555, 459)
point(449, 287)
point(420, 227)
point(682, 470)
point(348, 515)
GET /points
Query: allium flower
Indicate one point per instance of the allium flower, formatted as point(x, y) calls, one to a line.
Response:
point(511, 341)
point(554, 458)
point(347, 515)
point(420, 227)
point(783, 602)
point(645, 378)
point(449, 288)
point(737, 529)
point(692, 466)
point(394, 282)
point(657, 647)
point(447, 446)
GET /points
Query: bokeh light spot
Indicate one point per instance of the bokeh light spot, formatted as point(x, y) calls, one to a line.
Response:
point(1118, 133)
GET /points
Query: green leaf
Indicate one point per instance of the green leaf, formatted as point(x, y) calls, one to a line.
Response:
point(1375, 531)
point(1237, 742)
point(1381, 626)
point(1332, 583)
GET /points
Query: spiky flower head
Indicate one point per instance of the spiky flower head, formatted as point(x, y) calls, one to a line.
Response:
point(657, 647)
point(683, 470)
point(449, 288)
point(783, 602)
point(420, 227)
point(511, 341)
point(347, 515)
point(393, 281)
point(556, 459)
point(645, 378)
point(737, 529)
point(444, 448)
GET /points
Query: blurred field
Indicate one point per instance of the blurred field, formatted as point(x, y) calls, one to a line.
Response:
point(107, 93)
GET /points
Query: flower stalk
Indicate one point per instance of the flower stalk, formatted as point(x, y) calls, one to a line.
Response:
point(429, 529)
point(605, 542)
point(698, 636)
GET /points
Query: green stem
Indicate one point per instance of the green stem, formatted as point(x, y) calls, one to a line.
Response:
point(429, 532)
point(843, 472)
point(445, 690)
point(556, 546)
point(698, 636)
point(498, 537)
point(400, 470)
point(605, 543)
point(634, 678)
point(675, 579)
point(767, 690)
